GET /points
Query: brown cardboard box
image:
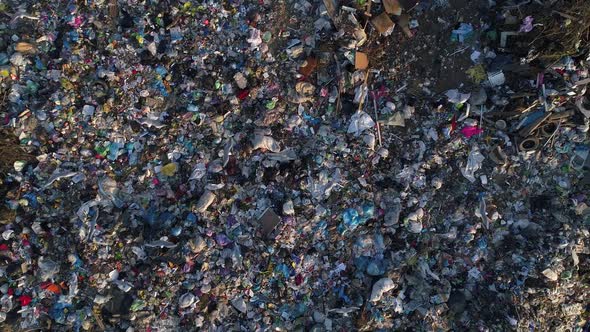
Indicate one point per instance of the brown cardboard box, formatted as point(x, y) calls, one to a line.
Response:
point(383, 24)
point(361, 61)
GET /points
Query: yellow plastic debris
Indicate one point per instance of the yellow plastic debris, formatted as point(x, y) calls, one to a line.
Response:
point(169, 169)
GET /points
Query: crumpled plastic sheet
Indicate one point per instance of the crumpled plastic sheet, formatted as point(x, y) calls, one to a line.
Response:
point(59, 175)
point(457, 97)
point(469, 131)
point(322, 187)
point(107, 188)
point(265, 142)
point(88, 214)
point(359, 122)
point(474, 163)
point(527, 24)
point(283, 156)
point(464, 31)
point(198, 172)
point(255, 39)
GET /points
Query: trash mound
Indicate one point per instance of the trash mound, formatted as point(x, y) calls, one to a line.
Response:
point(294, 165)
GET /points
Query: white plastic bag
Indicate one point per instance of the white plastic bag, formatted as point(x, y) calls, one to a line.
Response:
point(474, 163)
point(359, 122)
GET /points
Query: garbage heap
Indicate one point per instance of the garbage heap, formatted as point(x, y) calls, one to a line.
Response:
point(297, 165)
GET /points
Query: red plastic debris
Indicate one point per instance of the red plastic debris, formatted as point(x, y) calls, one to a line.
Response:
point(25, 300)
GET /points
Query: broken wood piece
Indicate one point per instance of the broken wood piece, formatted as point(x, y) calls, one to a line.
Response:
point(368, 9)
point(364, 91)
point(331, 7)
point(360, 35)
point(377, 118)
point(561, 115)
point(535, 104)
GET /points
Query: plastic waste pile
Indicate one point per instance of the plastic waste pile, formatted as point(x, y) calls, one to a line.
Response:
point(292, 166)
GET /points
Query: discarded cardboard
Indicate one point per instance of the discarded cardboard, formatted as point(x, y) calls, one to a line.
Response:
point(25, 47)
point(309, 66)
point(383, 24)
point(361, 61)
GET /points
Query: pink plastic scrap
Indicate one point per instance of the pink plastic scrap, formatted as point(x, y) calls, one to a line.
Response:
point(469, 131)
